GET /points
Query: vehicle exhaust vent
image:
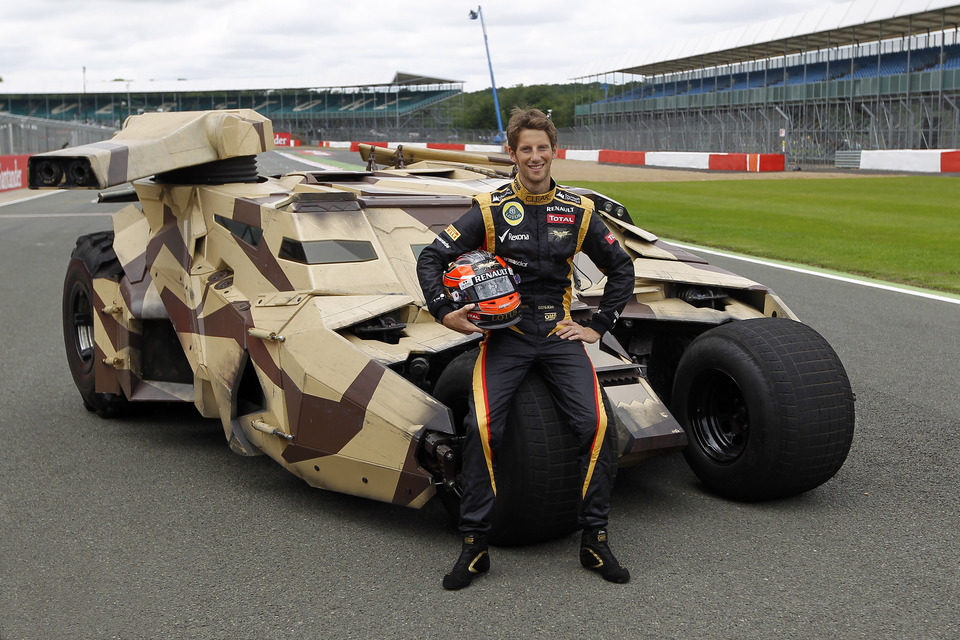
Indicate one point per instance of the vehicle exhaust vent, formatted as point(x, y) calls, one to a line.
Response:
point(320, 202)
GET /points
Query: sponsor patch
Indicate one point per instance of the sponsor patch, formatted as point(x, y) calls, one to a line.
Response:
point(538, 198)
point(452, 232)
point(561, 218)
point(560, 234)
point(610, 238)
point(550, 317)
point(498, 196)
point(567, 196)
point(513, 213)
point(515, 237)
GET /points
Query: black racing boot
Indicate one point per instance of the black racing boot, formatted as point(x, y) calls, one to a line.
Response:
point(473, 561)
point(596, 556)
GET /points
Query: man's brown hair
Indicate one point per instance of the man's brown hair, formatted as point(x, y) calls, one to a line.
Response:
point(529, 119)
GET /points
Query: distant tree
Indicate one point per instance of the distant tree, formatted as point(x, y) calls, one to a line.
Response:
point(560, 99)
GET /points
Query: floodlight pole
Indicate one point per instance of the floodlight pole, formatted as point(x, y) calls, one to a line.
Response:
point(496, 103)
point(127, 81)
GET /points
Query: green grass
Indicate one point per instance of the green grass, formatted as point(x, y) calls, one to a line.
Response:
point(898, 229)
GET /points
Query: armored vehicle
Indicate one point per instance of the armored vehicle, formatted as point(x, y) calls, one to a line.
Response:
point(288, 308)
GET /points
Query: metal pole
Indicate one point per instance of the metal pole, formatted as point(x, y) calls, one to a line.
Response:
point(493, 83)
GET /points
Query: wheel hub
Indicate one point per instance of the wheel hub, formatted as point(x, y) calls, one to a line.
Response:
point(719, 418)
point(82, 313)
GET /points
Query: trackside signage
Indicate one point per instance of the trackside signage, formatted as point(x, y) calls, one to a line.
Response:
point(13, 172)
point(284, 139)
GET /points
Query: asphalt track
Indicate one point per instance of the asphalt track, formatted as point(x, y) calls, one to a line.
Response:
point(149, 527)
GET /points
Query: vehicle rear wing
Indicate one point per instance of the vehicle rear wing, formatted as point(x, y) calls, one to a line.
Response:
point(154, 143)
point(403, 155)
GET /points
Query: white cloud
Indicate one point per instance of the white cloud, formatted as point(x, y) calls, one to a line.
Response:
point(44, 44)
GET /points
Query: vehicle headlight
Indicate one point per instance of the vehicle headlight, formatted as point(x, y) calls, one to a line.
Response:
point(613, 208)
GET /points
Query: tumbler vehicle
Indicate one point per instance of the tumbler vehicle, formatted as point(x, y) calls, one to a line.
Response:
point(288, 307)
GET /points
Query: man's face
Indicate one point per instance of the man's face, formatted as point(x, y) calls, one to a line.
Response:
point(533, 157)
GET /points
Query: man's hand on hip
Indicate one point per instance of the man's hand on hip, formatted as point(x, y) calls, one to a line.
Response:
point(570, 330)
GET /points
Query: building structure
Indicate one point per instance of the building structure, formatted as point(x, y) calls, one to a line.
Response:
point(404, 108)
point(820, 86)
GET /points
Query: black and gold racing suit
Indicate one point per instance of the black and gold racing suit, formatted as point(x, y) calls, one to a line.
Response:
point(538, 235)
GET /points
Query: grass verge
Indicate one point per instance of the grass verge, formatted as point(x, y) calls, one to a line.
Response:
point(898, 229)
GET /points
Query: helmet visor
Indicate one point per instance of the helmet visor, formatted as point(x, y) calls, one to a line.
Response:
point(494, 288)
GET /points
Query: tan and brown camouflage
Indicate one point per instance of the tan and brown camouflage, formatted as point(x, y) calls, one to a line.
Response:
point(296, 305)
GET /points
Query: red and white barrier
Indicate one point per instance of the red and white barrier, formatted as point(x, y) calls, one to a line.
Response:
point(13, 172)
point(696, 160)
point(914, 160)
point(580, 154)
point(671, 159)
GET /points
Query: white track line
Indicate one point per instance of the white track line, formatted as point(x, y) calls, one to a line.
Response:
point(42, 194)
point(920, 293)
point(37, 216)
point(301, 159)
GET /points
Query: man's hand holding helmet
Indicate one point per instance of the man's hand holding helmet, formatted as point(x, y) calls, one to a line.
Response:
point(458, 320)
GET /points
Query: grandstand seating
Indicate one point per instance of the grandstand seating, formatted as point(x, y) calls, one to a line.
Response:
point(334, 104)
point(889, 64)
point(951, 56)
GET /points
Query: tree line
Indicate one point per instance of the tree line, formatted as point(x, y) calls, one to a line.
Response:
point(557, 99)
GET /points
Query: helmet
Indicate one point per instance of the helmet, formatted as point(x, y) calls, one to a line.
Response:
point(481, 278)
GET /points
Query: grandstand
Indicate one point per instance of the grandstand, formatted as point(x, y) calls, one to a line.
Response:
point(820, 86)
point(408, 104)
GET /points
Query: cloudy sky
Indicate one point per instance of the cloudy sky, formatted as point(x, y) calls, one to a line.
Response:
point(221, 44)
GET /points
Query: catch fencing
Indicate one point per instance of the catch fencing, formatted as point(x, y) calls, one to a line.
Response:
point(24, 135)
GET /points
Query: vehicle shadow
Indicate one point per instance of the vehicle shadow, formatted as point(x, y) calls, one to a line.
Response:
point(177, 429)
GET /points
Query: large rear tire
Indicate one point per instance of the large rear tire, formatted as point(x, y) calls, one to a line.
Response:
point(767, 407)
point(93, 257)
point(537, 464)
point(538, 470)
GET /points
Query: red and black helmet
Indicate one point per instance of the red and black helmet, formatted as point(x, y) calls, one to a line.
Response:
point(481, 278)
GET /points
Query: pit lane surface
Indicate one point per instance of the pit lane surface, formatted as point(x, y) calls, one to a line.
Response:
point(149, 526)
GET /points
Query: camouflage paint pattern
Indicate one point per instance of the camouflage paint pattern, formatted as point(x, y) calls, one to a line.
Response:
point(214, 262)
point(152, 143)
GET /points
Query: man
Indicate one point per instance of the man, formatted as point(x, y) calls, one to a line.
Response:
point(537, 227)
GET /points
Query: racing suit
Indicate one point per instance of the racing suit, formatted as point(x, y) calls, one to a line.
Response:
point(538, 235)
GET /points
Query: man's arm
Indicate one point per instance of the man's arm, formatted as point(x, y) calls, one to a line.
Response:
point(466, 234)
point(602, 247)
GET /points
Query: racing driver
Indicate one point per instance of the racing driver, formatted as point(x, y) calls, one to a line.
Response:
point(537, 227)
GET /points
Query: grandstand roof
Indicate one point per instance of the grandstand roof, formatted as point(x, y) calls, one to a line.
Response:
point(407, 79)
point(824, 27)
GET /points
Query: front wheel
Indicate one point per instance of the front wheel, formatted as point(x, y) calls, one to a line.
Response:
point(767, 407)
point(92, 258)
